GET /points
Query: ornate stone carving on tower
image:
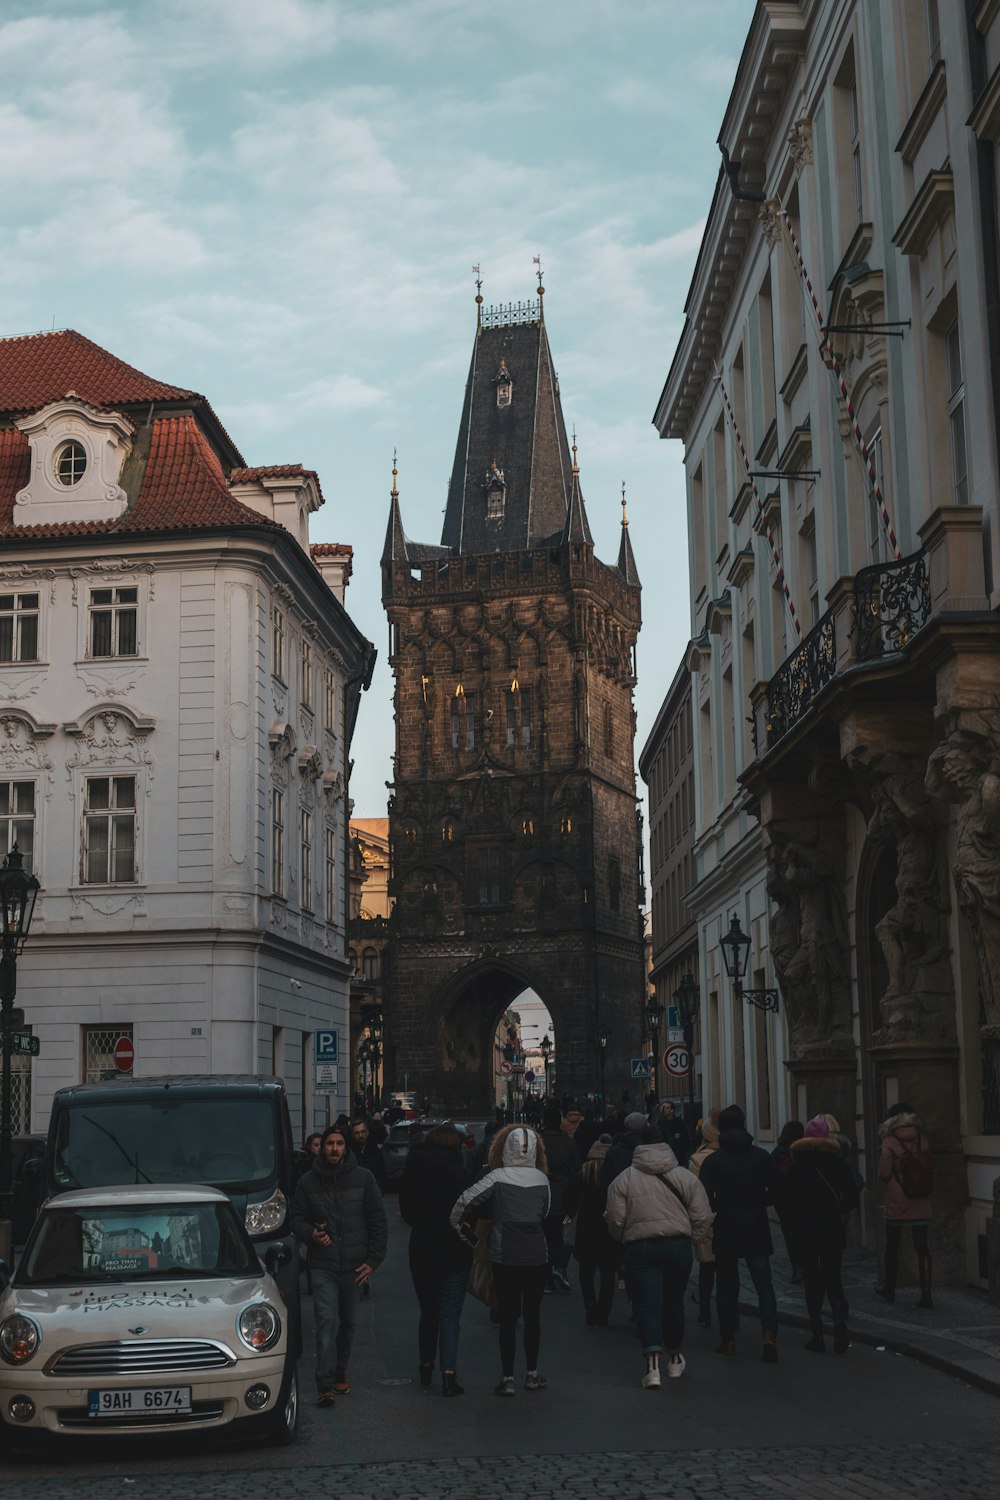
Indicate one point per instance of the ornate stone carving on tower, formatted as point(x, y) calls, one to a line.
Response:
point(513, 833)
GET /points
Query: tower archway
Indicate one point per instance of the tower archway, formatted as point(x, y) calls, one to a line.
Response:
point(469, 1042)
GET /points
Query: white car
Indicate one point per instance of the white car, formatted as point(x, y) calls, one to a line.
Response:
point(143, 1309)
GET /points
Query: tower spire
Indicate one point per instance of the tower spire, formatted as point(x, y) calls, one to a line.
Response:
point(394, 549)
point(541, 290)
point(626, 557)
point(479, 298)
point(577, 528)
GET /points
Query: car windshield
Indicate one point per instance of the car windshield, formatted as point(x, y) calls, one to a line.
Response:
point(223, 1142)
point(400, 1133)
point(142, 1242)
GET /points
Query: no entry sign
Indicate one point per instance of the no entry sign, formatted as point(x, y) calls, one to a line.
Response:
point(124, 1054)
point(677, 1060)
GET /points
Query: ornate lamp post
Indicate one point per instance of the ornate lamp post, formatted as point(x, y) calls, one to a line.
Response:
point(18, 893)
point(375, 1032)
point(687, 998)
point(735, 953)
point(545, 1047)
point(602, 1052)
point(654, 1018)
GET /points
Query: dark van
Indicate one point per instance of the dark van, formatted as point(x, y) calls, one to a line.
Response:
point(230, 1132)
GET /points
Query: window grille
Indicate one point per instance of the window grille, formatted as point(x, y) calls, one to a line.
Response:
point(114, 622)
point(109, 820)
point(20, 1094)
point(17, 819)
point(18, 627)
point(99, 1050)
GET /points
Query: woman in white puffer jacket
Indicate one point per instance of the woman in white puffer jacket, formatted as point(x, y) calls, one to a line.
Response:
point(658, 1210)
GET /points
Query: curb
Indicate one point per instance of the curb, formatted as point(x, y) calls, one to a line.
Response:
point(984, 1382)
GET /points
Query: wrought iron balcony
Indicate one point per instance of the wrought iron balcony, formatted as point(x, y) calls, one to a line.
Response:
point(892, 601)
point(794, 686)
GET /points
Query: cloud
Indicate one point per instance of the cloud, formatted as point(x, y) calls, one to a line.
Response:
point(246, 33)
point(109, 231)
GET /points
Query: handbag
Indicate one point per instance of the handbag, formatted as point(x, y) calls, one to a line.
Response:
point(480, 1283)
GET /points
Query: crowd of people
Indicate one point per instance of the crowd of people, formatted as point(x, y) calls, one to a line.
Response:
point(635, 1199)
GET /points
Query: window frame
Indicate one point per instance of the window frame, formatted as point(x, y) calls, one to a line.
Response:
point(18, 614)
point(306, 882)
point(279, 642)
point(330, 873)
point(277, 822)
point(958, 436)
point(113, 816)
point(118, 610)
point(306, 695)
point(18, 817)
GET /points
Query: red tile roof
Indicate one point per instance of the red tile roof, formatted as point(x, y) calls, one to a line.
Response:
point(331, 549)
point(42, 367)
point(274, 471)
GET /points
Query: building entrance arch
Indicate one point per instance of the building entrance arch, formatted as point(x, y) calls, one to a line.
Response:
point(467, 1010)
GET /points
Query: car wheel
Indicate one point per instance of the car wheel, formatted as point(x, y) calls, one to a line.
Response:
point(283, 1422)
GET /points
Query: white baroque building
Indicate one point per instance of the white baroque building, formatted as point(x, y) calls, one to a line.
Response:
point(179, 682)
point(837, 391)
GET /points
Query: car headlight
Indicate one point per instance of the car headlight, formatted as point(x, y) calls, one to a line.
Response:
point(267, 1217)
point(259, 1327)
point(19, 1339)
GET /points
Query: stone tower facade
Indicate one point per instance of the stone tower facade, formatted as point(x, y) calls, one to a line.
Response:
point(513, 825)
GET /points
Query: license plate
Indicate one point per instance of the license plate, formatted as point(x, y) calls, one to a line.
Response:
point(130, 1403)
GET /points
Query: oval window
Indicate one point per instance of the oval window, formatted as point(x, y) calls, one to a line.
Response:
point(71, 463)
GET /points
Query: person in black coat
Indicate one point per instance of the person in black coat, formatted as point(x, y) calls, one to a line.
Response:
point(819, 1193)
point(673, 1130)
point(781, 1165)
point(366, 1153)
point(563, 1164)
point(433, 1179)
point(737, 1179)
point(597, 1253)
point(619, 1157)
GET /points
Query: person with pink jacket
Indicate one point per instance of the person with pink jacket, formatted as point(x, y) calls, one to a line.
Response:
point(906, 1170)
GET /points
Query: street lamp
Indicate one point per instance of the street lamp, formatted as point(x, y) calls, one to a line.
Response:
point(545, 1047)
point(735, 953)
point(375, 1033)
point(686, 998)
point(654, 1018)
point(18, 893)
point(602, 1049)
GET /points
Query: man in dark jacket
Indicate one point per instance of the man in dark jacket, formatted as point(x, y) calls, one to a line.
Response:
point(367, 1153)
point(563, 1165)
point(337, 1211)
point(737, 1179)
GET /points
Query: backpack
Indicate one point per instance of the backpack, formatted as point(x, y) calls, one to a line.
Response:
point(915, 1172)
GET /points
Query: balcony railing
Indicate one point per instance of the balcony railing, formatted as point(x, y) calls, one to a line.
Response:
point(892, 601)
point(792, 689)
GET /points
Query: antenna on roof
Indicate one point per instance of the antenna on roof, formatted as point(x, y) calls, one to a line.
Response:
point(479, 297)
point(537, 259)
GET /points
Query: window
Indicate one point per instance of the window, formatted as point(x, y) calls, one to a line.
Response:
point(855, 127)
point(525, 716)
point(566, 825)
point(489, 877)
point(330, 859)
point(447, 832)
point(109, 816)
point(614, 883)
point(18, 627)
point(277, 842)
point(470, 721)
point(609, 731)
point(511, 718)
point(71, 463)
point(305, 859)
point(17, 819)
point(330, 702)
point(456, 722)
point(306, 674)
point(369, 963)
point(933, 33)
point(114, 618)
point(278, 641)
point(956, 416)
point(99, 1051)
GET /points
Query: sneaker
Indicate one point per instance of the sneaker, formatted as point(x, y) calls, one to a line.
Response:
point(505, 1387)
point(535, 1381)
point(324, 1398)
point(562, 1281)
point(651, 1379)
point(341, 1384)
point(676, 1366)
point(728, 1346)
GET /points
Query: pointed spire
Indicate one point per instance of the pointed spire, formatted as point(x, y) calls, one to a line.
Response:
point(541, 290)
point(479, 298)
point(626, 557)
point(395, 538)
point(577, 528)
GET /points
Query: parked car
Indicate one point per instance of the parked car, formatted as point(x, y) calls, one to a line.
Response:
point(401, 1138)
point(136, 1309)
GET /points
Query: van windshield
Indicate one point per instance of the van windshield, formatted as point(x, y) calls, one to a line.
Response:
point(229, 1143)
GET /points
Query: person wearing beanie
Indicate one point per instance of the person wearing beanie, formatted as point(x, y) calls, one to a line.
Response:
point(514, 1195)
point(819, 1194)
point(737, 1179)
point(595, 1251)
point(620, 1155)
point(706, 1255)
point(563, 1164)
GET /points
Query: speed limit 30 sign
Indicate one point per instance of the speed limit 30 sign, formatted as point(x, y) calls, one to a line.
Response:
point(677, 1060)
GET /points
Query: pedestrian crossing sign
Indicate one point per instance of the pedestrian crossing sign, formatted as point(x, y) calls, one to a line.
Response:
point(640, 1067)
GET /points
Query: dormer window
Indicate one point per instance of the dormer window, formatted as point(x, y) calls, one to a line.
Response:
point(71, 463)
point(504, 384)
point(495, 486)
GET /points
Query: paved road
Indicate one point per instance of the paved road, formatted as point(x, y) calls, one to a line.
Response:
point(870, 1426)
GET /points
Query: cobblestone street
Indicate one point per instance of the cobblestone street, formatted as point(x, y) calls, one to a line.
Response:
point(871, 1426)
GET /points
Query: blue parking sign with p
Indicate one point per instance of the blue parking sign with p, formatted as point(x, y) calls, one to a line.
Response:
point(326, 1048)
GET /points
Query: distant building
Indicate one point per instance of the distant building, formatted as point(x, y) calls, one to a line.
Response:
point(371, 906)
point(844, 523)
point(180, 681)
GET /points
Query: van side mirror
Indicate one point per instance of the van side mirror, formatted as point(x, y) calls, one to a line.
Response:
point(276, 1256)
point(4, 1274)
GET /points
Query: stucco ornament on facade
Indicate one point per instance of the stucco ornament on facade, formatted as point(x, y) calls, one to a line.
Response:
point(20, 752)
point(809, 941)
point(800, 143)
point(112, 739)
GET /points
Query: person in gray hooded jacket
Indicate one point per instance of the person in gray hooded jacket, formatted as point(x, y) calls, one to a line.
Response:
point(515, 1195)
point(338, 1212)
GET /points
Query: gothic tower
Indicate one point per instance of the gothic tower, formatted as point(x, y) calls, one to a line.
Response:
point(513, 825)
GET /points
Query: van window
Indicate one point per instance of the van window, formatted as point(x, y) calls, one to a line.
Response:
point(227, 1143)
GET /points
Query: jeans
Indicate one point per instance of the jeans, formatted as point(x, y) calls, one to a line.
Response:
point(657, 1272)
point(559, 1251)
point(335, 1306)
point(600, 1303)
point(440, 1299)
point(519, 1288)
point(727, 1291)
point(821, 1263)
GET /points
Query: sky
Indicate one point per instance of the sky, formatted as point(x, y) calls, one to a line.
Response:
point(279, 203)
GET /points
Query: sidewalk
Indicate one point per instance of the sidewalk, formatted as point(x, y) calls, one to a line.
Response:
point(960, 1335)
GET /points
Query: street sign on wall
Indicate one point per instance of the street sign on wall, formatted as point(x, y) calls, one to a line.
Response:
point(640, 1067)
point(326, 1046)
point(677, 1060)
point(23, 1045)
point(124, 1054)
point(327, 1077)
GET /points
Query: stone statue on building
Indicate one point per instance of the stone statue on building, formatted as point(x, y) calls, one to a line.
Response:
point(809, 946)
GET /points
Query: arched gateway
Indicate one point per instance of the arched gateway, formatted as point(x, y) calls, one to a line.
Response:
point(513, 826)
